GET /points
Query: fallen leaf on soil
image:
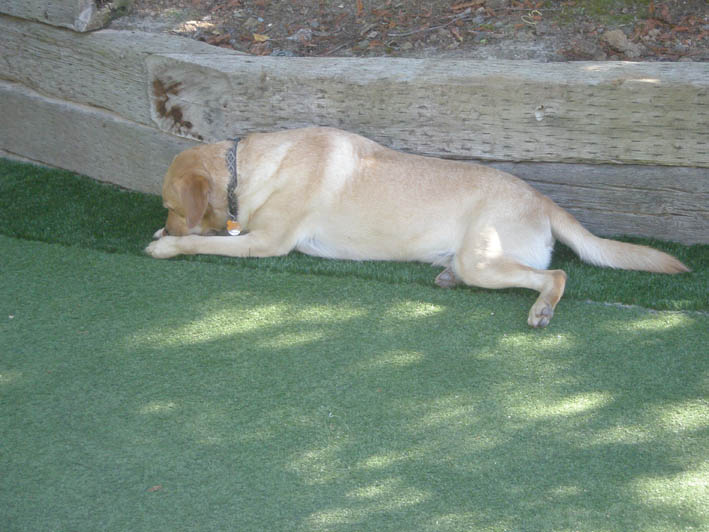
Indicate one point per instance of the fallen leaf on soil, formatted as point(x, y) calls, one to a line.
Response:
point(219, 39)
point(259, 37)
point(260, 48)
point(381, 13)
point(466, 5)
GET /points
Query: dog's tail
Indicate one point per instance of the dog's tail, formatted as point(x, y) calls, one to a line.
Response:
point(605, 252)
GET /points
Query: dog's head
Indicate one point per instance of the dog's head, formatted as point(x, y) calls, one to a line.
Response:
point(195, 202)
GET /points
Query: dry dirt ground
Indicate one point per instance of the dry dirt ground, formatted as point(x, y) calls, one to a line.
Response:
point(636, 30)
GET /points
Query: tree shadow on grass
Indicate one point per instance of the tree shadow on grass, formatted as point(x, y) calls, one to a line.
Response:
point(191, 396)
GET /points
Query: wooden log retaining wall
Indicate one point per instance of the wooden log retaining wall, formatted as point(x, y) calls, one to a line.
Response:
point(623, 146)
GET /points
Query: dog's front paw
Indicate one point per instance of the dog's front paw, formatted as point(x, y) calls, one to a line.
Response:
point(164, 248)
point(159, 233)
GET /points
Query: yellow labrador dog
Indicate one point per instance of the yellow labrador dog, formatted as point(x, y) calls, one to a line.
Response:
point(330, 193)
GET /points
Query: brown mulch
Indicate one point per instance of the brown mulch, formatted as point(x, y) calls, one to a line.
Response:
point(670, 30)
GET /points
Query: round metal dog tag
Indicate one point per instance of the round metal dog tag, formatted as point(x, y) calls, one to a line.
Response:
point(233, 227)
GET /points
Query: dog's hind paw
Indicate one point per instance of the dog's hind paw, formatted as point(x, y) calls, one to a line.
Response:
point(540, 314)
point(447, 279)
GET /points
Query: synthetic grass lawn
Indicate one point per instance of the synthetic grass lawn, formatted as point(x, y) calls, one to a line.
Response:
point(138, 394)
point(55, 206)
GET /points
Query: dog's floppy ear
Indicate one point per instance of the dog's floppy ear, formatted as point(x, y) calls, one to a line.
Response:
point(195, 198)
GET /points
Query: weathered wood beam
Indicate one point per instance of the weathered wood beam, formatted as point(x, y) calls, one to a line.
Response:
point(84, 139)
point(647, 113)
point(92, 103)
point(661, 202)
point(78, 15)
point(666, 202)
point(614, 112)
point(105, 69)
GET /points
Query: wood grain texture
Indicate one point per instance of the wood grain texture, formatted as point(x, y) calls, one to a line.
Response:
point(666, 202)
point(638, 113)
point(104, 69)
point(78, 15)
point(85, 140)
point(663, 202)
point(647, 113)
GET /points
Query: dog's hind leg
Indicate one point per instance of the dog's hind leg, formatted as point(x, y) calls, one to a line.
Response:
point(479, 264)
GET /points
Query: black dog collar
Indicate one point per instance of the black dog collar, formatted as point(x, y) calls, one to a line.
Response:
point(232, 224)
